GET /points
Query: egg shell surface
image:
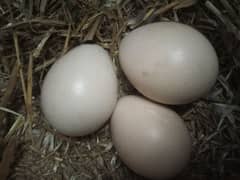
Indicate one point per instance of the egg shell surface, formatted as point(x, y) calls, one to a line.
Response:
point(80, 91)
point(151, 139)
point(169, 62)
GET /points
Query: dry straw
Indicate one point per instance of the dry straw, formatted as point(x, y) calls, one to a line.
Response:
point(33, 34)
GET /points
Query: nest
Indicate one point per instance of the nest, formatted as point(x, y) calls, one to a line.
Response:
point(33, 34)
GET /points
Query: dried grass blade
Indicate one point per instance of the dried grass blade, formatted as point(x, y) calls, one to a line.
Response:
point(91, 33)
point(65, 48)
point(40, 46)
point(15, 38)
point(29, 88)
point(185, 4)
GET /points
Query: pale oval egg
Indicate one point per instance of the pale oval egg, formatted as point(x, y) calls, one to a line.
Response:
point(151, 139)
point(80, 91)
point(169, 62)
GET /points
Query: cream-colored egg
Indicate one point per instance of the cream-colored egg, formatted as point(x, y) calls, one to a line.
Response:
point(169, 62)
point(80, 90)
point(151, 139)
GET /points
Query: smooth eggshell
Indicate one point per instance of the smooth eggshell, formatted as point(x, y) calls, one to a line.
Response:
point(169, 62)
point(151, 139)
point(79, 92)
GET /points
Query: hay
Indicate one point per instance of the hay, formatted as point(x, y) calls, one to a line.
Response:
point(33, 34)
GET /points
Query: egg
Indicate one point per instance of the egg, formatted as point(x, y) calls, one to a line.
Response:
point(169, 62)
point(80, 91)
point(151, 139)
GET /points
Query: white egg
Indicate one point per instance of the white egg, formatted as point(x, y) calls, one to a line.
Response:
point(80, 91)
point(169, 62)
point(151, 139)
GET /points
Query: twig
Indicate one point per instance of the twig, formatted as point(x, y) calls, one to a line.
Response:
point(83, 21)
point(11, 85)
point(20, 67)
point(229, 8)
point(153, 12)
point(19, 122)
point(185, 4)
point(33, 21)
point(44, 65)
point(225, 20)
point(9, 90)
point(65, 48)
point(40, 46)
point(90, 35)
point(43, 5)
point(29, 89)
